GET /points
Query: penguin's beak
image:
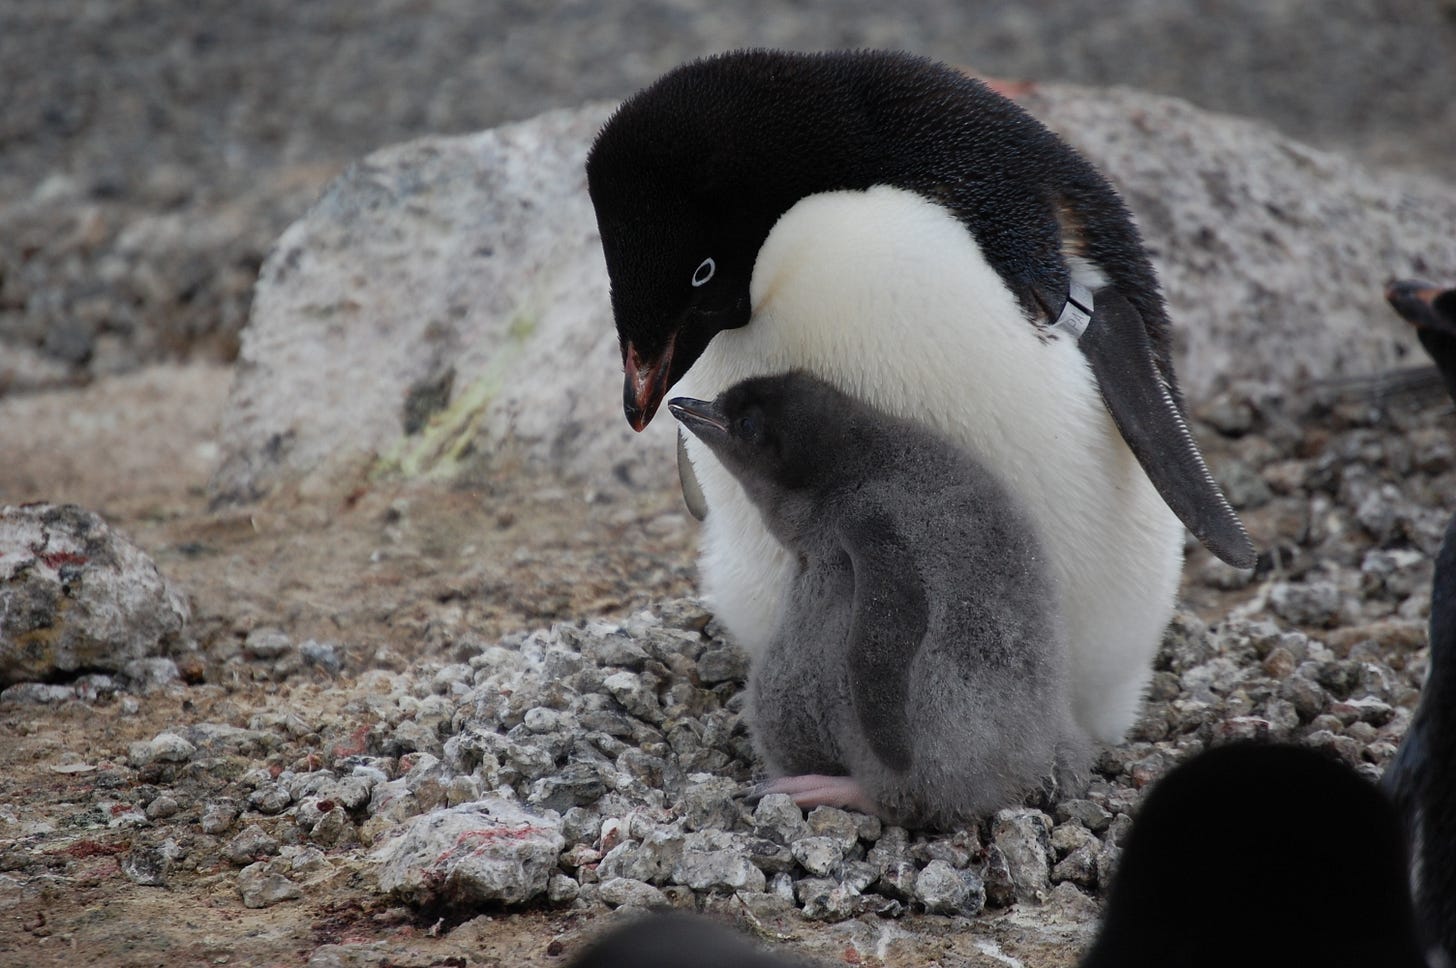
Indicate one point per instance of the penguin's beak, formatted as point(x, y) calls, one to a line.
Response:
point(703, 418)
point(645, 383)
point(1414, 300)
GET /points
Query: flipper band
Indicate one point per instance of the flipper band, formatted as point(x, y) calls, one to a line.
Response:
point(1077, 313)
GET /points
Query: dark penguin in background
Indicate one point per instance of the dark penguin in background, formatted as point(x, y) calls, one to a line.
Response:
point(1422, 777)
point(919, 668)
point(896, 228)
point(1245, 856)
point(1260, 855)
point(677, 941)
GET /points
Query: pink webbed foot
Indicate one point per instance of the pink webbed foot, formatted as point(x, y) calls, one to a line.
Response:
point(817, 790)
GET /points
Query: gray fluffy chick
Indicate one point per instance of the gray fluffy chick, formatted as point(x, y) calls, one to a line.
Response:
point(919, 670)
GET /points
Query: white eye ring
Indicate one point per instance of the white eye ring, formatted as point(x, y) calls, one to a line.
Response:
point(704, 272)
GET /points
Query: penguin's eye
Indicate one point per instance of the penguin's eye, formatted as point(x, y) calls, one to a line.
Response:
point(749, 426)
point(704, 272)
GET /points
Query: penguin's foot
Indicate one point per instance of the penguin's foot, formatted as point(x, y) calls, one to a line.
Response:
point(818, 790)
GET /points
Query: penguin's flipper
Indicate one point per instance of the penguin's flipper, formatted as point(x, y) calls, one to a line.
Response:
point(1116, 343)
point(888, 624)
point(692, 490)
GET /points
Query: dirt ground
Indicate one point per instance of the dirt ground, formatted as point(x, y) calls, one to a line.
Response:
point(391, 574)
point(394, 574)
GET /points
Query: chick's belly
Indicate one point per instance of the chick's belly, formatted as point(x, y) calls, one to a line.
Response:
point(802, 716)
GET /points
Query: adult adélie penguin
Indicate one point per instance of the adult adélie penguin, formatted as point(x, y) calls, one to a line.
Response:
point(1422, 778)
point(897, 229)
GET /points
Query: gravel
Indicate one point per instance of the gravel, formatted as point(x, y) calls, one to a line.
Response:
point(606, 763)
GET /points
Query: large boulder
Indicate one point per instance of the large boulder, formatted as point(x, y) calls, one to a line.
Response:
point(1273, 255)
point(444, 308)
point(441, 310)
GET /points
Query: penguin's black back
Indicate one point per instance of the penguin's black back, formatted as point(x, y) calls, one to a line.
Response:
point(1255, 855)
point(740, 137)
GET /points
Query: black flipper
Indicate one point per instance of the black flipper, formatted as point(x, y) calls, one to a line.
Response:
point(890, 618)
point(688, 478)
point(1116, 343)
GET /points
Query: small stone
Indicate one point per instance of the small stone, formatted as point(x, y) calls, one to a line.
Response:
point(818, 855)
point(324, 655)
point(943, 889)
point(263, 885)
point(1023, 836)
point(1067, 837)
point(411, 736)
point(219, 816)
point(956, 850)
point(836, 823)
point(777, 816)
point(250, 845)
point(575, 785)
point(723, 664)
point(149, 865)
point(266, 643)
point(170, 748)
point(1000, 889)
point(1239, 729)
point(897, 880)
point(711, 802)
point(626, 892)
point(628, 689)
point(1084, 812)
point(770, 856)
point(270, 799)
point(490, 850)
point(825, 900)
point(1279, 663)
point(1079, 866)
point(561, 889)
point(162, 807)
point(718, 870)
point(1307, 698)
point(1314, 603)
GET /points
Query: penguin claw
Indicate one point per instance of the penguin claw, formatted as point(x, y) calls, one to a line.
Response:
point(818, 790)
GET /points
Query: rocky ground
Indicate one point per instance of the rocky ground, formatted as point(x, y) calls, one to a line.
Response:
point(360, 665)
point(362, 659)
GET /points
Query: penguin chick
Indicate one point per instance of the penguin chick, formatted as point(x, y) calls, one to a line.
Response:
point(919, 669)
point(1260, 855)
point(1422, 777)
point(896, 228)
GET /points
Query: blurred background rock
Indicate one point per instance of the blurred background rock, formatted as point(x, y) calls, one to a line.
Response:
point(150, 150)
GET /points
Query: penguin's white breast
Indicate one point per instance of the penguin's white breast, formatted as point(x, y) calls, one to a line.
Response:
point(888, 296)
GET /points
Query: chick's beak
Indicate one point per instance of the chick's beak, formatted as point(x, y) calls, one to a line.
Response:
point(645, 384)
point(701, 417)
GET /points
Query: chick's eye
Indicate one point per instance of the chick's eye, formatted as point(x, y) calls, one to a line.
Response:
point(748, 426)
point(704, 272)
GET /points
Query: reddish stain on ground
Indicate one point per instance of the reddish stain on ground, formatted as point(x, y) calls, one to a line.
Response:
point(356, 744)
point(91, 848)
point(55, 559)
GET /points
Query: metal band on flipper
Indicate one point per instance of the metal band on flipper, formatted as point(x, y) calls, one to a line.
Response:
point(1116, 343)
point(1077, 313)
point(688, 478)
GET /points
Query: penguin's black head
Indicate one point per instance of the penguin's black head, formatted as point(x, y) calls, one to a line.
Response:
point(778, 434)
point(689, 176)
point(1432, 310)
point(687, 179)
point(1246, 855)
